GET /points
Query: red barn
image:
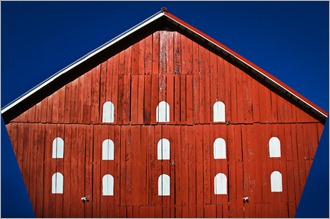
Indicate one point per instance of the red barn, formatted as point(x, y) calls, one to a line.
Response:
point(164, 121)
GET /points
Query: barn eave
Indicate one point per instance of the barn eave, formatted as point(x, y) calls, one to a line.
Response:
point(162, 20)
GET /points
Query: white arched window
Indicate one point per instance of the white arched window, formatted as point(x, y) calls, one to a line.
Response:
point(163, 112)
point(220, 184)
point(164, 187)
point(219, 148)
point(163, 149)
point(219, 113)
point(276, 181)
point(107, 150)
point(108, 112)
point(274, 147)
point(107, 185)
point(58, 148)
point(57, 183)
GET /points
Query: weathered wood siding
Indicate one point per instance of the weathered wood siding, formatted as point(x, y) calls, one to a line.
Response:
point(165, 66)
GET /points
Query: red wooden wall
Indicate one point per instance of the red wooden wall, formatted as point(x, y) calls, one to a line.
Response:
point(164, 66)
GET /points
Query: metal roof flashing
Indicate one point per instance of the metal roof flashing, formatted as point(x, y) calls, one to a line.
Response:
point(189, 30)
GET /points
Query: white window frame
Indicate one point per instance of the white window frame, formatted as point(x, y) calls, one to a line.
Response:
point(274, 147)
point(164, 185)
point(108, 115)
point(107, 185)
point(276, 181)
point(108, 150)
point(219, 149)
point(163, 149)
point(163, 112)
point(57, 183)
point(220, 184)
point(58, 148)
point(219, 112)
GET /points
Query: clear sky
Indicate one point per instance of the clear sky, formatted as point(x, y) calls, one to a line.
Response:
point(290, 40)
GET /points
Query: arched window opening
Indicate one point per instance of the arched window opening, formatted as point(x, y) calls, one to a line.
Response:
point(164, 187)
point(107, 185)
point(57, 183)
point(219, 148)
point(219, 113)
point(276, 181)
point(108, 112)
point(163, 112)
point(274, 147)
point(220, 184)
point(108, 150)
point(58, 148)
point(163, 149)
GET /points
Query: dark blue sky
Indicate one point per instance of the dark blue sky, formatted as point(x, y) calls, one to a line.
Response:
point(290, 40)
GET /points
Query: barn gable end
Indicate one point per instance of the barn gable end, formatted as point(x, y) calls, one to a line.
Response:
point(164, 60)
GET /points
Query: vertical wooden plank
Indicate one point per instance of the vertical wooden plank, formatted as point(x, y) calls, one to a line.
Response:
point(79, 112)
point(147, 101)
point(134, 99)
point(126, 100)
point(201, 84)
point(73, 102)
point(157, 170)
point(140, 107)
point(214, 81)
point(61, 105)
point(178, 169)
point(170, 97)
point(121, 62)
point(128, 61)
point(74, 178)
point(89, 144)
point(195, 69)
point(120, 107)
point(40, 145)
point(183, 103)
point(135, 59)
point(123, 175)
point(232, 186)
point(117, 174)
point(105, 81)
point(239, 170)
point(48, 111)
point(177, 100)
point(38, 110)
point(95, 108)
point(233, 101)
point(136, 152)
point(87, 98)
point(163, 52)
point(276, 113)
point(184, 164)
point(148, 53)
point(143, 169)
point(155, 52)
point(192, 201)
point(199, 169)
point(67, 105)
point(154, 97)
point(208, 179)
point(32, 169)
point(141, 56)
point(208, 107)
point(256, 102)
point(265, 109)
point(170, 53)
point(97, 177)
point(177, 53)
point(151, 159)
point(67, 171)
